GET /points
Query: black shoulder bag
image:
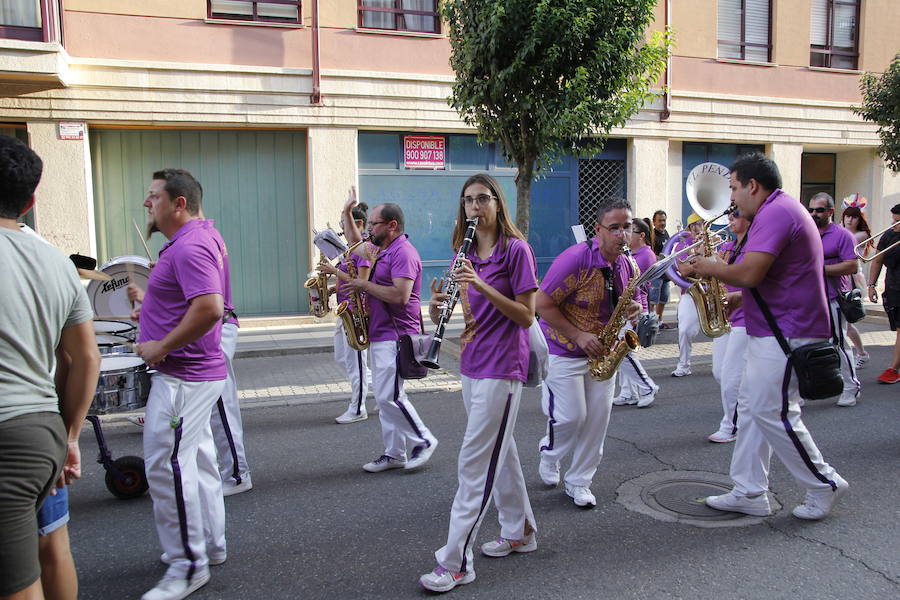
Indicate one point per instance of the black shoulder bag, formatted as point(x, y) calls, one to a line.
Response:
point(817, 365)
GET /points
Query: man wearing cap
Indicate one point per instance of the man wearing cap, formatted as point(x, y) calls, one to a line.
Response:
point(39, 424)
point(181, 329)
point(688, 319)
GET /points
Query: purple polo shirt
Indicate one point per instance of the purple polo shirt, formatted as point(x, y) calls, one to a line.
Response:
point(193, 263)
point(727, 252)
point(793, 288)
point(645, 259)
point(359, 262)
point(387, 322)
point(837, 246)
point(493, 345)
point(576, 284)
point(227, 298)
point(683, 242)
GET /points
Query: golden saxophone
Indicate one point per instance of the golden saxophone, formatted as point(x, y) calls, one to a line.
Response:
point(602, 369)
point(317, 291)
point(708, 292)
point(353, 312)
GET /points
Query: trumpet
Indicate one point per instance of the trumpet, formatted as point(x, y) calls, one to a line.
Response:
point(871, 240)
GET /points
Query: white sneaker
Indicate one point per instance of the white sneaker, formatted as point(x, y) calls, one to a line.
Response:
point(757, 506)
point(624, 401)
point(818, 503)
point(647, 399)
point(582, 496)
point(384, 463)
point(420, 455)
point(720, 437)
point(549, 472)
point(504, 547)
point(137, 420)
point(442, 580)
point(681, 372)
point(230, 487)
point(176, 588)
point(374, 410)
point(847, 400)
point(861, 360)
point(214, 560)
point(351, 416)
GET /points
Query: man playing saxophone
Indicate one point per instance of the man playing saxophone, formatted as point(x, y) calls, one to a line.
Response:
point(575, 300)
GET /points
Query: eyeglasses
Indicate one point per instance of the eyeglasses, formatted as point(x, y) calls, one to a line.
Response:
point(818, 209)
point(617, 229)
point(481, 199)
point(374, 223)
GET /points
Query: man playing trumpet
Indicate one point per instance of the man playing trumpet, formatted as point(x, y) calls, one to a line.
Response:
point(575, 301)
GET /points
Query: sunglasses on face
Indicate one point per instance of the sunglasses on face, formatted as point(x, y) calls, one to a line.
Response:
point(818, 210)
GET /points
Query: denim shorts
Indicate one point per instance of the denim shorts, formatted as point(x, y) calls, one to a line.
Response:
point(54, 512)
point(659, 291)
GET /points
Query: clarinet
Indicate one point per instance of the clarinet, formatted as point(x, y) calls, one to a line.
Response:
point(431, 359)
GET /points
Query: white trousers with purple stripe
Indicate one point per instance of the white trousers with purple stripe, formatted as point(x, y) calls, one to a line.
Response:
point(227, 425)
point(180, 461)
point(577, 409)
point(852, 386)
point(769, 421)
point(401, 427)
point(488, 468)
point(356, 364)
point(729, 353)
point(688, 329)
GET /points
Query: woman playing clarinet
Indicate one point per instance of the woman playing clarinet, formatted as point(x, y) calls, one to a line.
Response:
point(497, 281)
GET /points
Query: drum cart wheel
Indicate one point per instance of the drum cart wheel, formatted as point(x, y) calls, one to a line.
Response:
point(126, 479)
point(125, 476)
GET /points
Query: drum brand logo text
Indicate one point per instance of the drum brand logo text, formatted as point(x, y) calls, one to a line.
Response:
point(114, 284)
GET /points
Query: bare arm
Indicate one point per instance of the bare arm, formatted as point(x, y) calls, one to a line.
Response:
point(351, 234)
point(746, 274)
point(847, 267)
point(397, 293)
point(874, 274)
point(202, 315)
point(77, 373)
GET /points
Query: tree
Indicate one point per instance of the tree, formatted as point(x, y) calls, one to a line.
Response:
point(546, 77)
point(881, 105)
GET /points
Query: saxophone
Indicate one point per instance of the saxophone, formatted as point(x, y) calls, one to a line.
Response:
point(317, 291)
point(353, 312)
point(602, 369)
point(708, 293)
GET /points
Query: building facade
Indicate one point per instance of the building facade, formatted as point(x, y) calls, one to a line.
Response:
point(280, 106)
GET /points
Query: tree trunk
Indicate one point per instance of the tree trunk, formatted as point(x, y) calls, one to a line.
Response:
point(523, 196)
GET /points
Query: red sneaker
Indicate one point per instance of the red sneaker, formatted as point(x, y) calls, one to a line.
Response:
point(889, 376)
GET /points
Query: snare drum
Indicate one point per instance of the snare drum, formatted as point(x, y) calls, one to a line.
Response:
point(113, 344)
point(111, 297)
point(124, 384)
point(116, 328)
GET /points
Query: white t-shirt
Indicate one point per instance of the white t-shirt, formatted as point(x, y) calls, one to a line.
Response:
point(40, 294)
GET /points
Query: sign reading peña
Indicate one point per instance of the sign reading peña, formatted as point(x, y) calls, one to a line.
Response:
point(424, 152)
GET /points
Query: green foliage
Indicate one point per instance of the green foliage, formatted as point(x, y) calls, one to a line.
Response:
point(881, 105)
point(543, 77)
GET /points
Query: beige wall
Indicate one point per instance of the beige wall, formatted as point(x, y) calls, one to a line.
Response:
point(178, 9)
point(64, 207)
point(647, 176)
point(878, 41)
point(790, 32)
point(694, 24)
point(332, 170)
point(788, 158)
point(855, 172)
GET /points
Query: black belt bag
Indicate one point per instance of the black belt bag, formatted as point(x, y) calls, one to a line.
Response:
point(412, 348)
point(817, 365)
point(851, 304)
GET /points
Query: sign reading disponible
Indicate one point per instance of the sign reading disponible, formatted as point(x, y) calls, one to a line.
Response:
point(424, 152)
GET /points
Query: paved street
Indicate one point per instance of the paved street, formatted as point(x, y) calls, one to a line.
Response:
point(316, 526)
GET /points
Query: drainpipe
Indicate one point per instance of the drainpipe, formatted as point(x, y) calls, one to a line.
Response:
point(316, 97)
point(667, 98)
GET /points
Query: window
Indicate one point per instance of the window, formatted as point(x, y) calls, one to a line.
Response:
point(744, 29)
point(266, 11)
point(817, 174)
point(400, 15)
point(34, 20)
point(834, 34)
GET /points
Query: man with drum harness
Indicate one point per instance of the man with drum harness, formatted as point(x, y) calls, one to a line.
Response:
point(44, 308)
point(181, 331)
point(783, 261)
point(576, 299)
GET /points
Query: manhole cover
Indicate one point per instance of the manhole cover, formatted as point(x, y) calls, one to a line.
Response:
point(678, 496)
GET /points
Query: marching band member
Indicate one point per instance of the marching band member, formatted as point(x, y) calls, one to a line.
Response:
point(354, 362)
point(729, 350)
point(782, 258)
point(635, 385)
point(394, 310)
point(181, 330)
point(688, 319)
point(575, 300)
point(497, 282)
point(840, 263)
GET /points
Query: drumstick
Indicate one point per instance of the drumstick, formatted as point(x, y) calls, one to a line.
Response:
point(141, 237)
point(129, 268)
